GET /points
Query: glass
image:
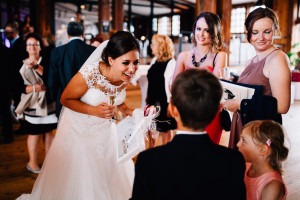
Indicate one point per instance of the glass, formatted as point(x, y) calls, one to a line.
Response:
point(111, 97)
point(225, 73)
point(34, 44)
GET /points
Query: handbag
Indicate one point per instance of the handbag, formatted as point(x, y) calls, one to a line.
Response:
point(225, 119)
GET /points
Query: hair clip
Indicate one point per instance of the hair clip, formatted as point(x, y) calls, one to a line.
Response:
point(268, 142)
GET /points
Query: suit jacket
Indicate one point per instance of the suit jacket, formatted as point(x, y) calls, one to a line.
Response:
point(5, 70)
point(189, 167)
point(17, 53)
point(259, 107)
point(65, 62)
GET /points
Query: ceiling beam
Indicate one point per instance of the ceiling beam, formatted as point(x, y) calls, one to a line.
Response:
point(177, 4)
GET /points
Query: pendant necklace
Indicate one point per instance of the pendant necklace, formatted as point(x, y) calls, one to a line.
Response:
point(197, 64)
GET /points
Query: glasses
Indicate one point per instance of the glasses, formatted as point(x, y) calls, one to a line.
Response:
point(8, 32)
point(33, 45)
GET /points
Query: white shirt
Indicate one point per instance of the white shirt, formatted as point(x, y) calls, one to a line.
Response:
point(179, 132)
point(75, 38)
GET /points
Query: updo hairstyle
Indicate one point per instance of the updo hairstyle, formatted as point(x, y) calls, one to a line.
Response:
point(257, 14)
point(119, 44)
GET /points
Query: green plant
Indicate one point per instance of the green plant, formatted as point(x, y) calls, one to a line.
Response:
point(294, 54)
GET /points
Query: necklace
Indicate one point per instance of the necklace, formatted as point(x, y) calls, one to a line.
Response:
point(195, 63)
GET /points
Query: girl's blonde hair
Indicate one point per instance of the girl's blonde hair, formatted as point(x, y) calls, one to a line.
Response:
point(165, 47)
point(270, 133)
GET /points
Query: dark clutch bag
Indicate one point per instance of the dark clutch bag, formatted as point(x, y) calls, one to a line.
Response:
point(225, 120)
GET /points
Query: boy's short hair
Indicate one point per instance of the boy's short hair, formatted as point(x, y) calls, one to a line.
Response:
point(196, 94)
point(75, 29)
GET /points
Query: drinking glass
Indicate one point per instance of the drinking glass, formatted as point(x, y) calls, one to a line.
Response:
point(111, 97)
point(225, 73)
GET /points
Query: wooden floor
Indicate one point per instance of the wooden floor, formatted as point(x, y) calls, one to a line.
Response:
point(15, 179)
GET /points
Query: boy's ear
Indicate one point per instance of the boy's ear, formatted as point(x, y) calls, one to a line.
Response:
point(173, 111)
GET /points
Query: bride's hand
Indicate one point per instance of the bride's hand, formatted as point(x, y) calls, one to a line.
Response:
point(103, 110)
point(124, 109)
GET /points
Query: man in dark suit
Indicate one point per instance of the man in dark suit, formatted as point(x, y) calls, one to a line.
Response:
point(17, 53)
point(5, 100)
point(66, 60)
point(191, 166)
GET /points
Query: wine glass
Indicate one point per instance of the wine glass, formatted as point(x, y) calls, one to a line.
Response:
point(225, 73)
point(111, 97)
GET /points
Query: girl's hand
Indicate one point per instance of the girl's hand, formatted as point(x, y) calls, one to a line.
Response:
point(231, 104)
point(103, 110)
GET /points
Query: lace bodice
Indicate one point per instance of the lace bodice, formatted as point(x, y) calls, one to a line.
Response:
point(98, 87)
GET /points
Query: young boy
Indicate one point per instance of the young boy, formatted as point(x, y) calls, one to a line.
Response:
point(191, 166)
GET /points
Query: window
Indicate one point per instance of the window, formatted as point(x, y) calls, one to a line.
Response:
point(176, 25)
point(237, 20)
point(254, 7)
point(298, 12)
point(154, 24)
point(162, 25)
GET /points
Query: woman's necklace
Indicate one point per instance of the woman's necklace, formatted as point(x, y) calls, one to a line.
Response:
point(197, 64)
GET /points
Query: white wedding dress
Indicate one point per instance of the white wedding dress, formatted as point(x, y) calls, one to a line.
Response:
point(82, 161)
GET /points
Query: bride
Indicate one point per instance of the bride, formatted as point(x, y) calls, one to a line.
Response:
point(82, 161)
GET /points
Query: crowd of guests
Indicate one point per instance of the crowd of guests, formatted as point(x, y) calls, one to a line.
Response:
point(77, 78)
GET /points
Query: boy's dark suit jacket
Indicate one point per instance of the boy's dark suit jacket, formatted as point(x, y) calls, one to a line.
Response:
point(65, 62)
point(189, 167)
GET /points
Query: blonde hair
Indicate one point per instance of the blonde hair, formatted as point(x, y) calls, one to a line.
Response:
point(270, 133)
point(165, 47)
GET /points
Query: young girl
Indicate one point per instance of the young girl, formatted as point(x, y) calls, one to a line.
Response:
point(262, 145)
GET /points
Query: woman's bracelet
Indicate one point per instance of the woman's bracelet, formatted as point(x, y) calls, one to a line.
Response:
point(89, 112)
point(33, 86)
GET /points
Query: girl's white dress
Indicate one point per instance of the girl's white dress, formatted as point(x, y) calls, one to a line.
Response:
point(82, 160)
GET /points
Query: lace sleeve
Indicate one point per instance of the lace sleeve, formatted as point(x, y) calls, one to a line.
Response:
point(90, 74)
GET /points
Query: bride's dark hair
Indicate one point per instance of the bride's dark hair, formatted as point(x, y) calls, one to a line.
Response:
point(119, 44)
